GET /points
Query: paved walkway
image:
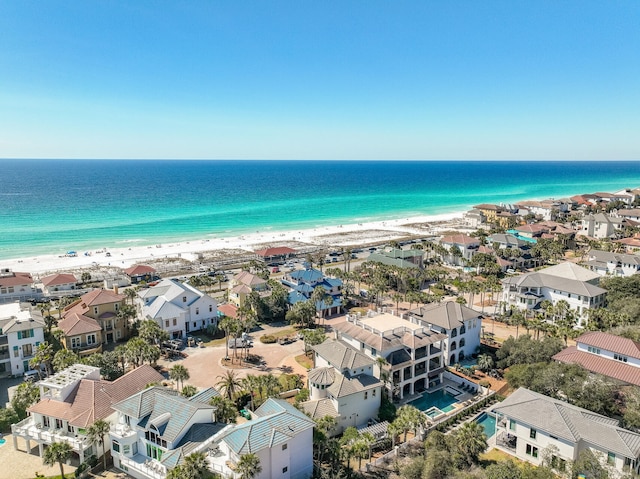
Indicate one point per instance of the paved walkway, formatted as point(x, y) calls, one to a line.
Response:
point(20, 465)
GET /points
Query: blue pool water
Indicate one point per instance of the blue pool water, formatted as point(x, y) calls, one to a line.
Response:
point(439, 399)
point(2, 441)
point(488, 422)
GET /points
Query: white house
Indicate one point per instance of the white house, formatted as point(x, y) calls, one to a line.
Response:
point(606, 354)
point(157, 429)
point(613, 264)
point(531, 426)
point(15, 286)
point(177, 307)
point(601, 225)
point(461, 325)
point(60, 282)
point(467, 245)
point(566, 281)
point(73, 399)
point(412, 351)
point(20, 334)
point(342, 385)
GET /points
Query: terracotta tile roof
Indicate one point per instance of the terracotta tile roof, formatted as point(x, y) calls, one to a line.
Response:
point(249, 279)
point(229, 310)
point(55, 279)
point(74, 324)
point(15, 279)
point(93, 400)
point(278, 251)
point(138, 269)
point(102, 296)
point(487, 206)
point(597, 364)
point(459, 239)
point(611, 342)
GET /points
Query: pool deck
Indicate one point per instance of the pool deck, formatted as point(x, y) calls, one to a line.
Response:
point(462, 399)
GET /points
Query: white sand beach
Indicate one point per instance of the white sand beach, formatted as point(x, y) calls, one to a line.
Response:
point(330, 236)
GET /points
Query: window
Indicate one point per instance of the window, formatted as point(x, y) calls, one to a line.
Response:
point(453, 346)
point(611, 459)
point(91, 339)
point(16, 352)
point(463, 329)
point(512, 425)
point(127, 449)
point(166, 323)
point(284, 447)
point(197, 310)
point(532, 433)
point(591, 349)
point(366, 394)
point(373, 351)
point(620, 357)
point(58, 423)
point(373, 393)
point(285, 469)
point(116, 306)
point(45, 421)
point(184, 299)
point(25, 334)
point(627, 464)
point(210, 308)
point(462, 342)
point(27, 350)
point(118, 334)
point(175, 321)
point(532, 451)
point(115, 446)
point(95, 310)
point(454, 332)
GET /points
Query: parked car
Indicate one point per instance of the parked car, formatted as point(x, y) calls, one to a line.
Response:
point(32, 375)
point(275, 269)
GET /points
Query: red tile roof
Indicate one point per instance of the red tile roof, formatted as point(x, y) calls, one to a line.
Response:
point(139, 269)
point(74, 324)
point(597, 364)
point(611, 342)
point(101, 296)
point(16, 279)
point(92, 400)
point(229, 310)
point(459, 239)
point(279, 251)
point(55, 279)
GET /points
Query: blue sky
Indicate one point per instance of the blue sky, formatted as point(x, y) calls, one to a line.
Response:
point(320, 80)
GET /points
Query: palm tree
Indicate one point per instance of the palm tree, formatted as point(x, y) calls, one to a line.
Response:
point(485, 362)
point(471, 441)
point(249, 466)
point(57, 453)
point(188, 391)
point(96, 433)
point(229, 384)
point(225, 409)
point(130, 293)
point(195, 465)
point(179, 374)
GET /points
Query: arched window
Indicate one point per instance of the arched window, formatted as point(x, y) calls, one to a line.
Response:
point(454, 332)
point(453, 346)
point(460, 356)
point(462, 342)
point(453, 359)
point(462, 330)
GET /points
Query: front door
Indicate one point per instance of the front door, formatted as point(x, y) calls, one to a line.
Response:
point(109, 337)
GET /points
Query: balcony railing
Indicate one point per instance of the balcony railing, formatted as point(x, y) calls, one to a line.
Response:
point(27, 428)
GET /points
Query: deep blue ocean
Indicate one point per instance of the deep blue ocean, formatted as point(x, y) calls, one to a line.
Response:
point(51, 206)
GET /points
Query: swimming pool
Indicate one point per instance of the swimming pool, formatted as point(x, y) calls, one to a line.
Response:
point(488, 423)
point(441, 400)
point(2, 441)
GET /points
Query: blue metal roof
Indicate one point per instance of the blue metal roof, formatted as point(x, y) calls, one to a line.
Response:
point(278, 422)
point(307, 275)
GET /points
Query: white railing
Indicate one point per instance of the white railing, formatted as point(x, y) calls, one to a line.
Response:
point(151, 469)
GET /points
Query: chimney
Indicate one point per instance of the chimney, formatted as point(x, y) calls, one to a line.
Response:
point(115, 288)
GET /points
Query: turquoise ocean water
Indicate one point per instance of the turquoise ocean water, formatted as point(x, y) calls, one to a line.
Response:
point(51, 206)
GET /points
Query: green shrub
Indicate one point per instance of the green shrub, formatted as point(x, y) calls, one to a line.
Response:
point(484, 383)
point(92, 461)
point(268, 339)
point(81, 468)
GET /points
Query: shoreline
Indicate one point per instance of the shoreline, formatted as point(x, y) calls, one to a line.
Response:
point(323, 236)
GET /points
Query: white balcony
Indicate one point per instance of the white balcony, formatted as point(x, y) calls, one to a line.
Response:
point(29, 429)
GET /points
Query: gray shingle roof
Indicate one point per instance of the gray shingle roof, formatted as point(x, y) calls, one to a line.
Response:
point(447, 315)
point(278, 422)
point(569, 422)
point(204, 396)
point(345, 385)
point(320, 408)
point(341, 356)
point(195, 436)
point(321, 376)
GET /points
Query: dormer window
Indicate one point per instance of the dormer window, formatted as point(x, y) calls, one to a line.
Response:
point(184, 299)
